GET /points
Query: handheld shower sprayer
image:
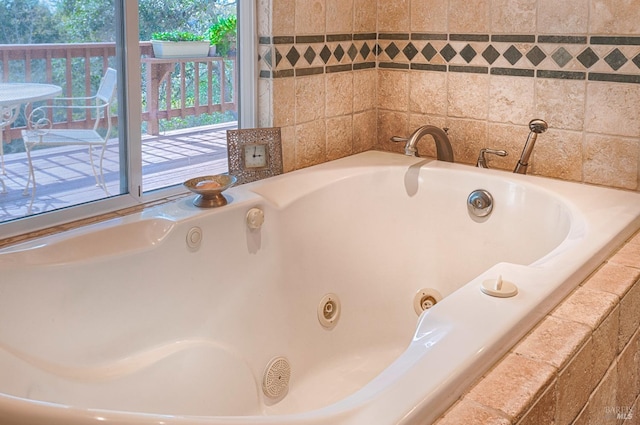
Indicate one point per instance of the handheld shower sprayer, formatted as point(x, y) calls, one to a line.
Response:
point(537, 126)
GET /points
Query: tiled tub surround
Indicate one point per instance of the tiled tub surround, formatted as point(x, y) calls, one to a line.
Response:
point(578, 366)
point(481, 68)
point(485, 68)
point(325, 112)
point(593, 115)
point(318, 77)
point(485, 88)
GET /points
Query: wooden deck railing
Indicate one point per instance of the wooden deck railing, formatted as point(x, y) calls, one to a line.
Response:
point(208, 90)
point(204, 85)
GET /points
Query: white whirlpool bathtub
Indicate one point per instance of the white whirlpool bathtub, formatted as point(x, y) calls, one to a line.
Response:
point(124, 322)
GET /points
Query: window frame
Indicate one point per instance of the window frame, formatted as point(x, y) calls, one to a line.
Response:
point(129, 93)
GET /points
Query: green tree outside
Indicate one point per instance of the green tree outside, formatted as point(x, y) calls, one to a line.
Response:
point(27, 22)
point(82, 21)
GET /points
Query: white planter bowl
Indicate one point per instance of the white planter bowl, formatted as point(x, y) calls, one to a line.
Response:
point(180, 49)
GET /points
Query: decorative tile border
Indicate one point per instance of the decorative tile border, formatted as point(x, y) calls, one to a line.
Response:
point(594, 58)
point(288, 56)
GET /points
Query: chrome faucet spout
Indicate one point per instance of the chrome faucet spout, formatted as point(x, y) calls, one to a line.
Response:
point(444, 151)
point(537, 126)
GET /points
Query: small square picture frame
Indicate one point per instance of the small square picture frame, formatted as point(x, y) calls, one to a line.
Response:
point(254, 153)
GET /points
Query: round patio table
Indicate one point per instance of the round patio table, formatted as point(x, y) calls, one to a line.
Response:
point(21, 93)
point(14, 95)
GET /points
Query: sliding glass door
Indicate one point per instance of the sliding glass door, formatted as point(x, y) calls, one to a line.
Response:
point(60, 144)
point(163, 122)
point(189, 89)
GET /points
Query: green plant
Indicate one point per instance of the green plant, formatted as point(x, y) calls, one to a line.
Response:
point(222, 34)
point(177, 36)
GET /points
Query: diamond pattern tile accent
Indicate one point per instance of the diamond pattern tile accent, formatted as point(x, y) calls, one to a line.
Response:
point(490, 54)
point(512, 55)
point(293, 56)
point(310, 55)
point(268, 58)
point(561, 57)
point(448, 52)
point(352, 52)
point(365, 50)
point(468, 53)
point(325, 54)
point(536, 55)
point(392, 50)
point(545, 54)
point(278, 57)
point(588, 57)
point(410, 51)
point(429, 52)
point(616, 59)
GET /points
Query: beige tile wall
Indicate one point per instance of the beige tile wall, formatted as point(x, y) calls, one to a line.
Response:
point(326, 115)
point(594, 134)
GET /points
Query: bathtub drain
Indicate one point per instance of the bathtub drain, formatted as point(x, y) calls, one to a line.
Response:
point(275, 382)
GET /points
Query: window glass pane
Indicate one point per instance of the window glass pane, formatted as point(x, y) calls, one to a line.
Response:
point(189, 88)
point(60, 142)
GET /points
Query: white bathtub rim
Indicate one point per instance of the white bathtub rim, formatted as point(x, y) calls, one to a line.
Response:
point(171, 217)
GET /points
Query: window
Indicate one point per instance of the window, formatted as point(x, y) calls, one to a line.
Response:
point(177, 132)
point(55, 149)
point(188, 102)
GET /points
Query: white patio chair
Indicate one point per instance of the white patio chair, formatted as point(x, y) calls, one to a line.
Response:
point(40, 131)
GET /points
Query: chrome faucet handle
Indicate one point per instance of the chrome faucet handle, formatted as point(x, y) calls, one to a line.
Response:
point(482, 161)
point(399, 139)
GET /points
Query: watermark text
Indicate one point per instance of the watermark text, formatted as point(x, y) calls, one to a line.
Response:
point(618, 412)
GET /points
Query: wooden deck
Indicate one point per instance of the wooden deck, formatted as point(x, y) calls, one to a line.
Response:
point(64, 177)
